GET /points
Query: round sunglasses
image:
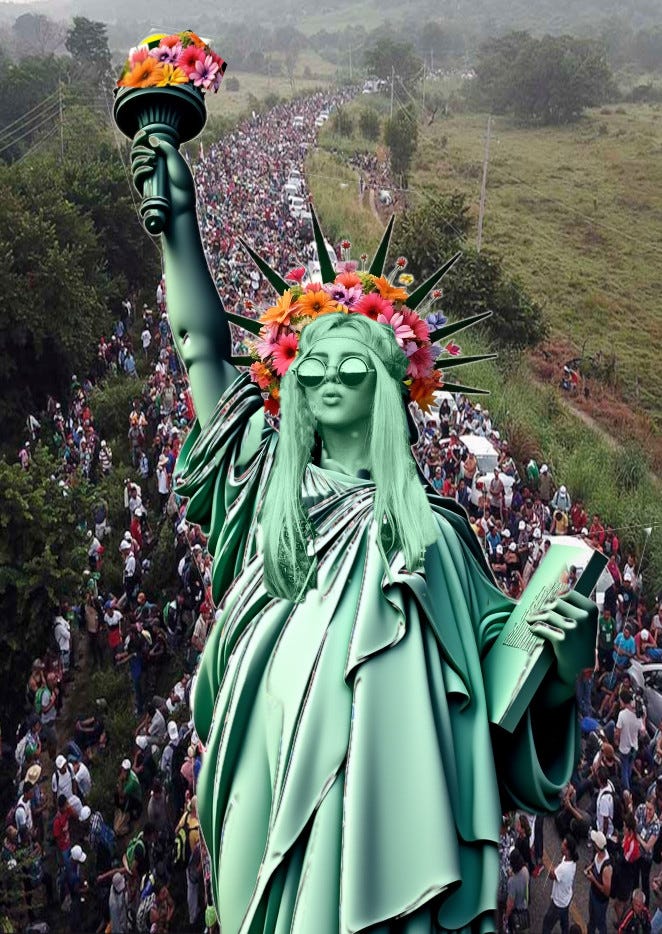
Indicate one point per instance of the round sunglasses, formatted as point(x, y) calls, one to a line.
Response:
point(351, 371)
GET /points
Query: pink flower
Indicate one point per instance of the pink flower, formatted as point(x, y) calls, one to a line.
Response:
point(204, 73)
point(345, 244)
point(417, 324)
point(267, 341)
point(284, 353)
point(343, 295)
point(167, 54)
point(453, 349)
point(347, 265)
point(296, 275)
point(138, 54)
point(373, 305)
point(189, 58)
point(437, 293)
point(396, 320)
point(420, 362)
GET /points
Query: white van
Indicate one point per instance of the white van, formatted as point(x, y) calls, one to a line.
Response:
point(297, 206)
point(297, 121)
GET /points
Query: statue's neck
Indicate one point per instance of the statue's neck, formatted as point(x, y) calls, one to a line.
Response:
point(345, 450)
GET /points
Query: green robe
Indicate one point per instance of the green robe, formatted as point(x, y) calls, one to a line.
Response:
point(349, 780)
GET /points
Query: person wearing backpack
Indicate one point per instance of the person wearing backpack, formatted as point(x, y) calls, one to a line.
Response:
point(648, 830)
point(100, 836)
point(21, 815)
point(626, 867)
point(45, 705)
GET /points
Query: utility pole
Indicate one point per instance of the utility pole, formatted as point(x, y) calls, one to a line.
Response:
point(392, 82)
point(432, 60)
point(61, 108)
point(350, 63)
point(483, 187)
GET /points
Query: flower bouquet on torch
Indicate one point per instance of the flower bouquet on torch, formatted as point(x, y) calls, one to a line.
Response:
point(161, 92)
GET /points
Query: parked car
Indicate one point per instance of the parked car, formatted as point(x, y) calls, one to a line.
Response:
point(647, 676)
point(297, 206)
point(297, 121)
point(482, 482)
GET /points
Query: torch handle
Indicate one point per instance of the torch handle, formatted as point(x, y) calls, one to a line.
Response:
point(155, 205)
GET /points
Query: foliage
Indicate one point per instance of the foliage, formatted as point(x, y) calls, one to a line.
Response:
point(87, 41)
point(401, 137)
point(37, 35)
point(429, 235)
point(389, 57)
point(541, 81)
point(111, 401)
point(232, 83)
point(42, 554)
point(342, 122)
point(370, 124)
point(630, 468)
point(160, 576)
point(29, 104)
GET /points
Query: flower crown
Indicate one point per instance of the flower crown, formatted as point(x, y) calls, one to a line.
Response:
point(350, 290)
point(182, 58)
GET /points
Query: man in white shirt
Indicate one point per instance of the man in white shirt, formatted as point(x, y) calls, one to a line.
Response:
point(83, 779)
point(604, 805)
point(564, 877)
point(626, 736)
point(62, 634)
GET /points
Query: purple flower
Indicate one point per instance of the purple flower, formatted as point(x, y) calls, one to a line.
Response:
point(167, 54)
point(205, 73)
point(345, 296)
point(436, 320)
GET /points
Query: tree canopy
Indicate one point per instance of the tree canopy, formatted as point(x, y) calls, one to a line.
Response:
point(542, 81)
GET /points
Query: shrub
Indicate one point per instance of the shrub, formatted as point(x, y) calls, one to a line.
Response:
point(232, 83)
point(370, 124)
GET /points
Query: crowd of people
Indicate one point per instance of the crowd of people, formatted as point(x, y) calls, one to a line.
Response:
point(127, 865)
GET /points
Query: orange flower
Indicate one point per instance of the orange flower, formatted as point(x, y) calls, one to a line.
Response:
point(172, 75)
point(317, 303)
point(390, 292)
point(282, 311)
point(145, 74)
point(261, 374)
point(348, 279)
point(422, 390)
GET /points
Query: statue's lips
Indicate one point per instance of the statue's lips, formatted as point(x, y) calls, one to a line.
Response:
point(330, 398)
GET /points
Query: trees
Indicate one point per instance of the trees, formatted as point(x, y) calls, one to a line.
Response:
point(541, 81)
point(388, 57)
point(401, 137)
point(430, 234)
point(87, 42)
point(370, 124)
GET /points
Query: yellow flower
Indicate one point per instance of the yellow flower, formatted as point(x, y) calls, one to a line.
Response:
point(172, 75)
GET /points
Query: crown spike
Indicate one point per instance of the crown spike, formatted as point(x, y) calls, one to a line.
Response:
point(447, 363)
point(377, 265)
point(467, 390)
point(248, 324)
point(449, 329)
point(277, 281)
point(326, 267)
point(422, 292)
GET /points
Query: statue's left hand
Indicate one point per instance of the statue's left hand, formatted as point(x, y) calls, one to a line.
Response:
point(570, 626)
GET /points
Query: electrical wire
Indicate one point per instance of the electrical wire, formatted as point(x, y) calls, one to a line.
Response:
point(41, 103)
point(35, 118)
point(36, 146)
point(45, 121)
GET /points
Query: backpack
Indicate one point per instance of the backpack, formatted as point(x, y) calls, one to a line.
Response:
point(57, 778)
point(133, 846)
point(10, 819)
point(19, 752)
point(617, 819)
point(181, 848)
point(37, 698)
point(107, 838)
point(143, 922)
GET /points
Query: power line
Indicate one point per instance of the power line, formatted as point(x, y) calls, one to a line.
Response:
point(47, 120)
point(21, 130)
point(36, 145)
point(28, 112)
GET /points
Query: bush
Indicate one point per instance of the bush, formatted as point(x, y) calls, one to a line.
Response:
point(232, 83)
point(111, 401)
point(370, 124)
point(630, 468)
point(342, 122)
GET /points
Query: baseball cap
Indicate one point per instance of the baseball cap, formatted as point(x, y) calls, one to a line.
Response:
point(499, 549)
point(142, 742)
point(544, 468)
point(126, 764)
point(85, 813)
point(645, 635)
point(78, 854)
point(597, 837)
point(37, 663)
point(60, 762)
point(537, 533)
point(512, 547)
point(562, 489)
point(521, 525)
point(506, 533)
point(173, 732)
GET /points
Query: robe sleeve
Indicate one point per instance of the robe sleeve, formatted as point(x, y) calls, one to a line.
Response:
point(224, 495)
point(536, 761)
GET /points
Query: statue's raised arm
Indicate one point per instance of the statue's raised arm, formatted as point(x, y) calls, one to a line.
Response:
point(197, 318)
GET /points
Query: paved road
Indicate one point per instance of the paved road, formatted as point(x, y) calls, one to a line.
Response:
point(541, 888)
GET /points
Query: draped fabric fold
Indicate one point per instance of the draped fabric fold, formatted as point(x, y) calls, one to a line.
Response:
point(349, 780)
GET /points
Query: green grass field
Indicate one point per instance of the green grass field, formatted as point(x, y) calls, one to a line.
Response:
point(576, 213)
point(232, 103)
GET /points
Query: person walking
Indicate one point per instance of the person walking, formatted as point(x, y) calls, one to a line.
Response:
point(599, 874)
point(563, 877)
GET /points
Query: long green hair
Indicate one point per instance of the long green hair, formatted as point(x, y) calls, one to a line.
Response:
point(402, 510)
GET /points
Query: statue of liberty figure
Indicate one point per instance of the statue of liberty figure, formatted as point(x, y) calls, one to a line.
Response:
point(352, 781)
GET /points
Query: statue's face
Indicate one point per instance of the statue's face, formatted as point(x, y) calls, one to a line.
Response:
point(334, 403)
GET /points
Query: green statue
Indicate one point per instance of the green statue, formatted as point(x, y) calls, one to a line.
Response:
point(352, 780)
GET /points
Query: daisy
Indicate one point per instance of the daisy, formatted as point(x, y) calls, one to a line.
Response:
point(284, 353)
point(372, 305)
